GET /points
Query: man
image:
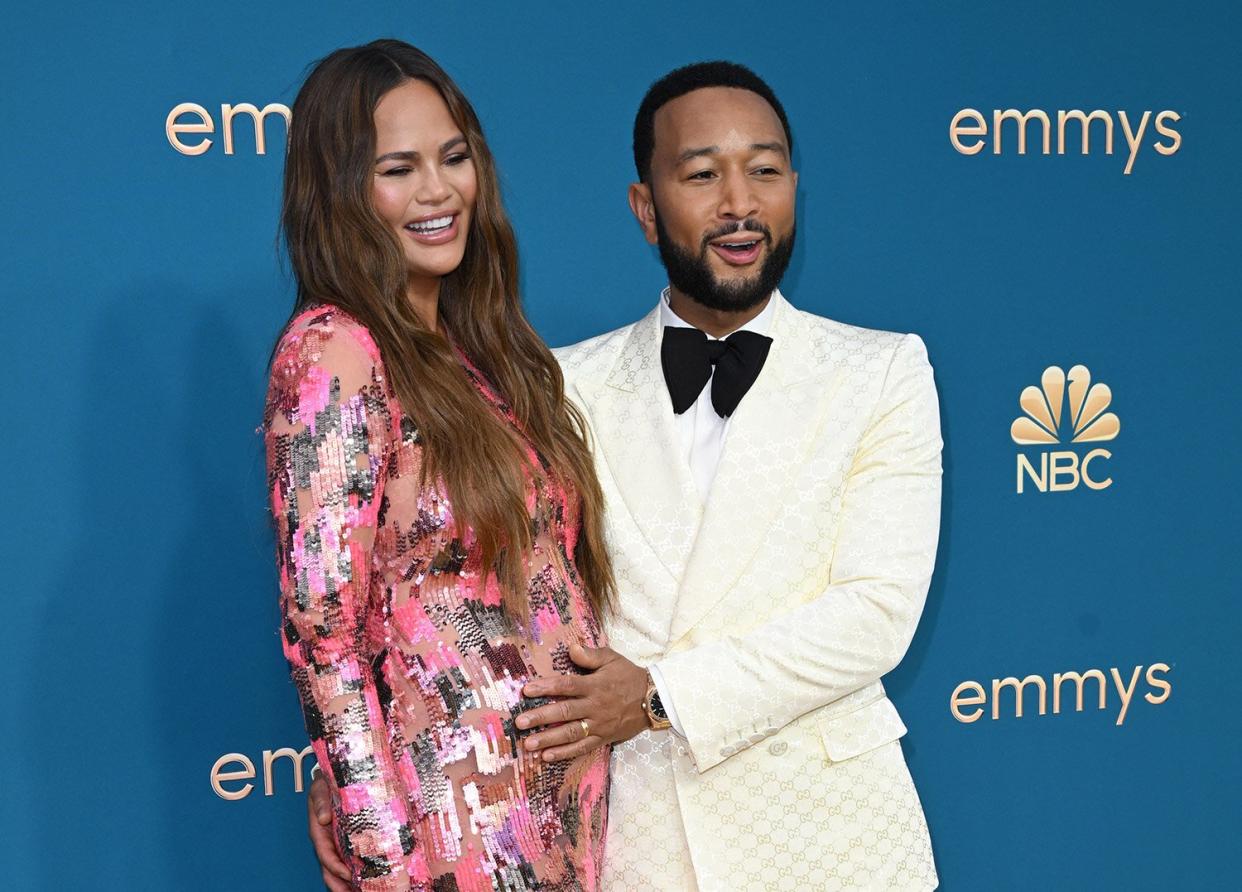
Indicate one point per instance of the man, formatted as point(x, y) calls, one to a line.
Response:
point(773, 490)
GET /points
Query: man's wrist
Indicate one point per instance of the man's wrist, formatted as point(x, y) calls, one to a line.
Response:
point(666, 698)
point(653, 706)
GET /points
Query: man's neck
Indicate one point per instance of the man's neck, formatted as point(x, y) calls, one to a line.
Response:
point(716, 323)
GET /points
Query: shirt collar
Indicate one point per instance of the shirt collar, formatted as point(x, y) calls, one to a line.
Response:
point(759, 325)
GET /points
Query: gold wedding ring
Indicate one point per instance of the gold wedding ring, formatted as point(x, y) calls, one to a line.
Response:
point(586, 728)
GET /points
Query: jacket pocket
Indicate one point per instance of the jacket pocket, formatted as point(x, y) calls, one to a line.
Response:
point(854, 733)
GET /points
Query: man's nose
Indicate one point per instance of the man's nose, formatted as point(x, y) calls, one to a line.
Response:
point(738, 199)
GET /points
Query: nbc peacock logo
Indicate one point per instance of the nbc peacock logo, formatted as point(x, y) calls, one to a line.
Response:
point(1064, 409)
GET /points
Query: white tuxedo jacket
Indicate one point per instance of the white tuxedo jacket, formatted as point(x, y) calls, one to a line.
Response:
point(772, 610)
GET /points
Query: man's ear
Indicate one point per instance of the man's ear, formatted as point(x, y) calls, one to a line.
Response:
point(643, 209)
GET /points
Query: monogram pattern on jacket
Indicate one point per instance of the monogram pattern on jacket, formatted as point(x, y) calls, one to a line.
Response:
point(773, 609)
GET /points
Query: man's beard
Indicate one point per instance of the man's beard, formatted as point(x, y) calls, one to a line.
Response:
point(692, 275)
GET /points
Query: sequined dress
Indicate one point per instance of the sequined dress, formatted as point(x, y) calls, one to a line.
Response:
point(407, 665)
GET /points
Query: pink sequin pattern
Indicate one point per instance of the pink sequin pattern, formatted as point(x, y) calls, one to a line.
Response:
point(408, 667)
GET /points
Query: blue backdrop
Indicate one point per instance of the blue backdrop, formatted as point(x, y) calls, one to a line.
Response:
point(143, 288)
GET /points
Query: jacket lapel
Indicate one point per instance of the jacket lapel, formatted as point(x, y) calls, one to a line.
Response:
point(769, 437)
point(632, 417)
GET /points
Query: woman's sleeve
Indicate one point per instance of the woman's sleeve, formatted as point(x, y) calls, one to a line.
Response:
point(328, 434)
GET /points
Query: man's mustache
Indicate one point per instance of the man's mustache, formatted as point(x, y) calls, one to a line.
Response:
point(747, 225)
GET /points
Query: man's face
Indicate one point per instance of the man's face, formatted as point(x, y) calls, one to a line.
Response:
point(720, 202)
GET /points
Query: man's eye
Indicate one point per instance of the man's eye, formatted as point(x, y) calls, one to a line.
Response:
point(702, 175)
point(767, 171)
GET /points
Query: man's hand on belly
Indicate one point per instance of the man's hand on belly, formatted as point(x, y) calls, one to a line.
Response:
point(601, 707)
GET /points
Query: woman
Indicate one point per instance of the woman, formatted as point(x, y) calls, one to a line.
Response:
point(439, 530)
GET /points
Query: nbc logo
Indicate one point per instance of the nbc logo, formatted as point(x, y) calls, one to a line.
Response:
point(1050, 418)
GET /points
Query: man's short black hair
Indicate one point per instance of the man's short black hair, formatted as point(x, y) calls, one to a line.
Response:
point(685, 80)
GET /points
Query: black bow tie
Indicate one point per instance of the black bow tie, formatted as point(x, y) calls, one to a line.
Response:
point(688, 356)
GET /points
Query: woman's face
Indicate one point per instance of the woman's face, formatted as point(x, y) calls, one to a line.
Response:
point(424, 184)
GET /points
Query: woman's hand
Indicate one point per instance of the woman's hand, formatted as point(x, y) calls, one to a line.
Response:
point(602, 707)
point(336, 875)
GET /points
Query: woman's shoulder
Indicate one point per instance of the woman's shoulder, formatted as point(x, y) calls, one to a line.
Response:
point(324, 354)
point(325, 332)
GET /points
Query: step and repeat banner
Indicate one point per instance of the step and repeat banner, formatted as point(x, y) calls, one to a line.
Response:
point(1047, 193)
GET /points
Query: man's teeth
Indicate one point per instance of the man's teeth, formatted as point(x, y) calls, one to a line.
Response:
point(738, 246)
point(431, 225)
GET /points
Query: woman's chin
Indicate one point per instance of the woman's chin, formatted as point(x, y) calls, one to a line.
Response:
point(431, 267)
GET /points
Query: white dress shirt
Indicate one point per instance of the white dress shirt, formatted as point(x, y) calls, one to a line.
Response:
point(701, 433)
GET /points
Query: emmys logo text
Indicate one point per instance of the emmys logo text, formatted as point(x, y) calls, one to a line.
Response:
point(237, 770)
point(188, 122)
point(968, 131)
point(1049, 417)
point(969, 699)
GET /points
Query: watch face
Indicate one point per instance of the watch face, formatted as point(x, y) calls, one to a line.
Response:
point(657, 707)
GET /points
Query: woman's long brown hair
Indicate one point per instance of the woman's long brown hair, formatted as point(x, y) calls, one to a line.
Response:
point(343, 254)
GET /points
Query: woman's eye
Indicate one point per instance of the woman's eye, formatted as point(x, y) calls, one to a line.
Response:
point(396, 172)
point(459, 158)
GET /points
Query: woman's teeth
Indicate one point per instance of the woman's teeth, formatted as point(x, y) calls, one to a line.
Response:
point(430, 226)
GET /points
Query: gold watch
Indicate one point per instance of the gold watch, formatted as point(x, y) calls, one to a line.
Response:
point(657, 717)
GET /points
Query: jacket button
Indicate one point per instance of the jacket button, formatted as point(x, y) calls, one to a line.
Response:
point(778, 747)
